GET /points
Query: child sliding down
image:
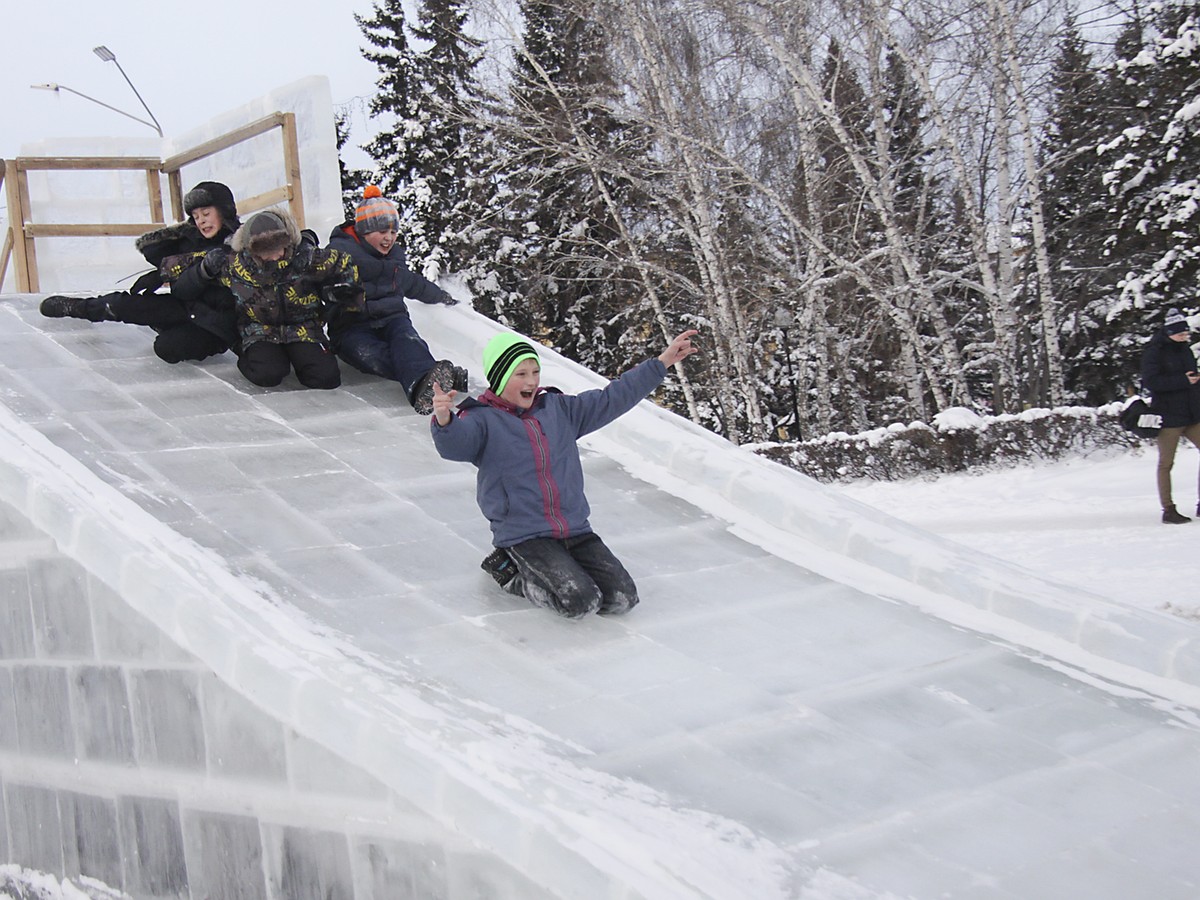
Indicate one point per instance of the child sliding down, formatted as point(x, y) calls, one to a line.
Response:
point(522, 439)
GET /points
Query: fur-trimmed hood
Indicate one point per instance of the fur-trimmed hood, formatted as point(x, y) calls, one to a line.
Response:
point(267, 230)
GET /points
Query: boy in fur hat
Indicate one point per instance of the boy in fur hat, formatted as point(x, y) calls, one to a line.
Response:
point(383, 341)
point(286, 290)
point(195, 328)
point(522, 439)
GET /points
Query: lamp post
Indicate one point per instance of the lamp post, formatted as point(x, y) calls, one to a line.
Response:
point(108, 56)
point(62, 87)
point(783, 319)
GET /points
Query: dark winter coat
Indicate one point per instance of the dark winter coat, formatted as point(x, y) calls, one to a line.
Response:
point(173, 250)
point(530, 479)
point(1165, 364)
point(386, 280)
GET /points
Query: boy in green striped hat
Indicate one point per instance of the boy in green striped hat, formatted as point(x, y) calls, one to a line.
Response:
point(522, 439)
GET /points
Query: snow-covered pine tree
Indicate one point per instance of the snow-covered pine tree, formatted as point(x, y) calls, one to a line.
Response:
point(564, 154)
point(385, 30)
point(1152, 168)
point(443, 192)
point(1079, 224)
point(353, 180)
point(427, 158)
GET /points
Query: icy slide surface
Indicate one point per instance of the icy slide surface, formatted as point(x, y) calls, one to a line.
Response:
point(811, 701)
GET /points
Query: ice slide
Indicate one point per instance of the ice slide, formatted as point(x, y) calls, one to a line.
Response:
point(246, 651)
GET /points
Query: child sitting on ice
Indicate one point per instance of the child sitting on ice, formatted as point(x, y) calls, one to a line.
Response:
point(286, 290)
point(382, 341)
point(522, 438)
point(197, 326)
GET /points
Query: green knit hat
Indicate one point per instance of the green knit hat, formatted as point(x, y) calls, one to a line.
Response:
point(502, 354)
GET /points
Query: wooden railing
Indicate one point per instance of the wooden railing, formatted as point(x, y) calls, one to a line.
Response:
point(22, 231)
point(6, 250)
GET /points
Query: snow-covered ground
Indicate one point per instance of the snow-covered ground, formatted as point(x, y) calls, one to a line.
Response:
point(1092, 522)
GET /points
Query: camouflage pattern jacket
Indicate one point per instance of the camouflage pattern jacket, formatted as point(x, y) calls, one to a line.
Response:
point(290, 300)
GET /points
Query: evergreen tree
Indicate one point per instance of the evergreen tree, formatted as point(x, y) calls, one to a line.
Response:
point(442, 190)
point(562, 157)
point(353, 180)
point(1152, 169)
point(386, 31)
point(427, 158)
point(1079, 223)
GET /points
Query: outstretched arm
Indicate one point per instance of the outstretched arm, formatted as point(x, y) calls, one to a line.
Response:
point(679, 349)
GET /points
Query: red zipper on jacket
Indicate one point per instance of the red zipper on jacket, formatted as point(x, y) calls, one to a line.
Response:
point(551, 507)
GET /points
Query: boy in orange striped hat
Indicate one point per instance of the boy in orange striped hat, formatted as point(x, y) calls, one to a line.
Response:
point(384, 341)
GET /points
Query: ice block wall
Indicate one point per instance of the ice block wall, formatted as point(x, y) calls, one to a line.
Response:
point(103, 197)
point(124, 758)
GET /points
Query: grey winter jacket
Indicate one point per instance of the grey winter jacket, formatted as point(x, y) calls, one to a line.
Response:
point(530, 480)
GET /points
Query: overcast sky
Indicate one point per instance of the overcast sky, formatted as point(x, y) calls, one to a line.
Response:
point(189, 62)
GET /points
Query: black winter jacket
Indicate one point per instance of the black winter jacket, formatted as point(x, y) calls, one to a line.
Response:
point(1165, 364)
point(178, 249)
point(386, 280)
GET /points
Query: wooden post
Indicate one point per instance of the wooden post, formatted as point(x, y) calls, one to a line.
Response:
point(154, 189)
point(6, 250)
point(291, 168)
point(17, 189)
point(5, 255)
point(175, 184)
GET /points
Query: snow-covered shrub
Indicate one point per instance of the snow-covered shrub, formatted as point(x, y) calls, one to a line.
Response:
point(956, 440)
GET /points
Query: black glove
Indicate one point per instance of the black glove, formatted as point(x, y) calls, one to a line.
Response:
point(148, 283)
point(304, 251)
point(444, 298)
point(214, 259)
point(345, 293)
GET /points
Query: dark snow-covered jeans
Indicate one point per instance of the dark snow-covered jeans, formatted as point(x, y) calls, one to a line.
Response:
point(389, 348)
point(573, 577)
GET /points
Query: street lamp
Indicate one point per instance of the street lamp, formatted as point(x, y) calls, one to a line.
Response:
point(108, 56)
point(62, 87)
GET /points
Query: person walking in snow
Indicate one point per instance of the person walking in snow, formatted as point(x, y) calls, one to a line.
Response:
point(200, 326)
point(1169, 373)
point(522, 439)
point(383, 341)
point(286, 289)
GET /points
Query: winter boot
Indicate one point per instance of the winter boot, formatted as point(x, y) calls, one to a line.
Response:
point(500, 566)
point(446, 374)
point(94, 309)
point(1172, 516)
